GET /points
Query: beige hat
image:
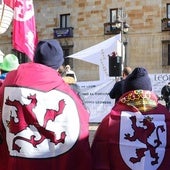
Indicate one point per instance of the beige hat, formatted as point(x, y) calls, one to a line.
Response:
point(69, 80)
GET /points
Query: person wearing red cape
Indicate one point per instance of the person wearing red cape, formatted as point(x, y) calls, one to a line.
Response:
point(135, 134)
point(43, 124)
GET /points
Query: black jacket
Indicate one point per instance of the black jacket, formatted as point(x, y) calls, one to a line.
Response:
point(117, 90)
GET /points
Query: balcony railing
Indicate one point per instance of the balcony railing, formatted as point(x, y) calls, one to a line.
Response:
point(63, 32)
point(110, 28)
point(165, 24)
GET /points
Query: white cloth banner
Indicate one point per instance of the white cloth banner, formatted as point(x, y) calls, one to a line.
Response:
point(96, 94)
point(99, 54)
point(158, 81)
point(96, 98)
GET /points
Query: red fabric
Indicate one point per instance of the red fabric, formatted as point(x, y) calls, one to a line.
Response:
point(9, 3)
point(44, 79)
point(24, 36)
point(106, 152)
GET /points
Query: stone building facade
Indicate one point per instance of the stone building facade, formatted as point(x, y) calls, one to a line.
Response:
point(148, 40)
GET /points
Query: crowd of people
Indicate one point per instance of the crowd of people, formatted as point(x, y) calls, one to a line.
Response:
point(45, 125)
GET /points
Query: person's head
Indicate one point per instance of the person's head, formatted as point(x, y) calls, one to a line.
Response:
point(10, 62)
point(137, 80)
point(126, 71)
point(68, 67)
point(49, 53)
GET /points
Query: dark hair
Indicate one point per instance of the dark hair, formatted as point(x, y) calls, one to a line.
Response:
point(165, 92)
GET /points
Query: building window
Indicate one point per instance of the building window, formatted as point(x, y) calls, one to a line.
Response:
point(64, 20)
point(68, 50)
point(168, 13)
point(169, 54)
point(168, 10)
point(166, 53)
point(113, 14)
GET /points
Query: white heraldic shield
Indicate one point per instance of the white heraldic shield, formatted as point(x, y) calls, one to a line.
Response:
point(142, 140)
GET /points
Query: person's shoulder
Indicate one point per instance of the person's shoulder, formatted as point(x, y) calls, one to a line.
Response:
point(165, 89)
point(122, 81)
point(35, 66)
point(119, 83)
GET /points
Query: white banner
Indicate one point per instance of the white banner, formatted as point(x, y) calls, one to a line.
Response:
point(158, 81)
point(97, 100)
point(99, 54)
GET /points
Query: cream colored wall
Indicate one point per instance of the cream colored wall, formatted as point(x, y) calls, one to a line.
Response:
point(87, 18)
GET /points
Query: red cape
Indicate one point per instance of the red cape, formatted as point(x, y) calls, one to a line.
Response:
point(134, 135)
point(49, 135)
